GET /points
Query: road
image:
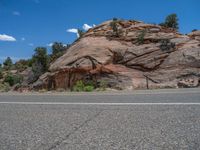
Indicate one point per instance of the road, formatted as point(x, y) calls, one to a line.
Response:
point(157, 119)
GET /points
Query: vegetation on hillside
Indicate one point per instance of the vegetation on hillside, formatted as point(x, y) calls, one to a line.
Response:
point(171, 21)
point(11, 73)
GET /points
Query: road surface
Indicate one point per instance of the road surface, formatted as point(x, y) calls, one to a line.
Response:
point(157, 119)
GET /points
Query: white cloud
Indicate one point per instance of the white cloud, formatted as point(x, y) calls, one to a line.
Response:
point(16, 13)
point(50, 44)
point(23, 39)
point(31, 44)
point(73, 31)
point(86, 27)
point(4, 37)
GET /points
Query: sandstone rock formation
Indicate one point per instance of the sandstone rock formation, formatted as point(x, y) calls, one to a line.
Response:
point(139, 56)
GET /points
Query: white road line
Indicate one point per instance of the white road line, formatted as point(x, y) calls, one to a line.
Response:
point(104, 104)
point(153, 92)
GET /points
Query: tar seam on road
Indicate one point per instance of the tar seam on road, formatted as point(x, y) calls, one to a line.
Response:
point(108, 104)
point(59, 142)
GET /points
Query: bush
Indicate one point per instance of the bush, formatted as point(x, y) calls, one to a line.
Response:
point(13, 79)
point(1, 74)
point(103, 85)
point(80, 86)
point(89, 88)
point(4, 87)
point(140, 38)
point(166, 45)
point(194, 30)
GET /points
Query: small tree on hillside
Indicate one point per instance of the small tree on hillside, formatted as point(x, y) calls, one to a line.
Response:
point(7, 63)
point(114, 26)
point(171, 21)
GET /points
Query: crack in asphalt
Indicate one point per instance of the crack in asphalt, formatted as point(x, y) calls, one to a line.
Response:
point(59, 142)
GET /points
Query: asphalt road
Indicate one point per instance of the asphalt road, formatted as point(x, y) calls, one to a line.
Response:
point(159, 119)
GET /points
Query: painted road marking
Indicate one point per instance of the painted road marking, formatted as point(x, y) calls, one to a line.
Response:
point(99, 94)
point(104, 104)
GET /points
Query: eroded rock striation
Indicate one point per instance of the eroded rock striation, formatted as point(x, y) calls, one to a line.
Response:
point(136, 56)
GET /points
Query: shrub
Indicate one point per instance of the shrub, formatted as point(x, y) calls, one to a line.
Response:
point(89, 88)
point(166, 45)
point(194, 30)
point(140, 37)
point(103, 85)
point(80, 86)
point(1, 72)
point(4, 87)
point(13, 79)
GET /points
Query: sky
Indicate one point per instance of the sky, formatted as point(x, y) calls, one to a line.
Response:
point(27, 24)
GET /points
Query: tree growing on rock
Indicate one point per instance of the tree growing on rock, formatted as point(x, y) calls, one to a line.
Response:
point(171, 21)
point(114, 26)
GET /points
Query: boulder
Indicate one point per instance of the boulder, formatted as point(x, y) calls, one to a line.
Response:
point(139, 56)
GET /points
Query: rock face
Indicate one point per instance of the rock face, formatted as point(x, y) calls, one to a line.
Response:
point(139, 56)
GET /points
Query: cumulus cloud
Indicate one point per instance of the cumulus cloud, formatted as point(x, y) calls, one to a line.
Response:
point(86, 27)
point(16, 13)
point(4, 37)
point(73, 31)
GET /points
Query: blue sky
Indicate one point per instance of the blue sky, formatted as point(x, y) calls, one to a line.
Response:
point(26, 24)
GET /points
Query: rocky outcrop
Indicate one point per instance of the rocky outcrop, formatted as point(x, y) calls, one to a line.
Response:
point(139, 56)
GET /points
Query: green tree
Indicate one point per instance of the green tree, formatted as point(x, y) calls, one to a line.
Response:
point(1, 71)
point(171, 21)
point(40, 61)
point(58, 50)
point(13, 79)
point(21, 65)
point(114, 26)
point(8, 63)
